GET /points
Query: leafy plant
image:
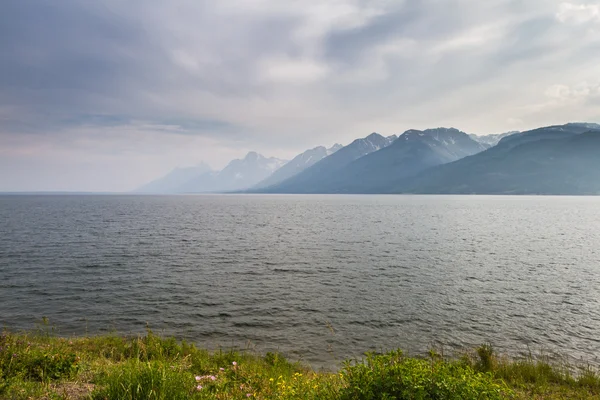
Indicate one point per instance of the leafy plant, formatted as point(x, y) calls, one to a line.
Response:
point(392, 376)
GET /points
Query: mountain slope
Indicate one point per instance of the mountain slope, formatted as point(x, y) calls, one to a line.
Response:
point(548, 132)
point(553, 160)
point(492, 140)
point(298, 164)
point(313, 178)
point(171, 182)
point(239, 174)
point(414, 151)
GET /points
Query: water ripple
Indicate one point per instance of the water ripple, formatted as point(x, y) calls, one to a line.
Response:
point(320, 278)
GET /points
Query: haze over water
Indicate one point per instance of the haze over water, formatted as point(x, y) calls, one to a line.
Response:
point(320, 278)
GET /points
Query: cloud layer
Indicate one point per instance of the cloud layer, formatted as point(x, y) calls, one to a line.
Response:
point(106, 95)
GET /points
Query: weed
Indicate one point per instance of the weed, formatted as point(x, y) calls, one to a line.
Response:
point(40, 365)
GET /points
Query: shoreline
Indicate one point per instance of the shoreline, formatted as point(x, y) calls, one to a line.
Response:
point(39, 365)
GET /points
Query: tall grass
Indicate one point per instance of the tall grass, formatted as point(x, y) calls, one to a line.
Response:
point(146, 380)
point(537, 377)
point(41, 365)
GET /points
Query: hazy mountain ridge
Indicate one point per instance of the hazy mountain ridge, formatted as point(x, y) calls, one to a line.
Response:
point(562, 159)
point(239, 174)
point(559, 159)
point(548, 132)
point(334, 148)
point(493, 139)
point(321, 172)
point(411, 153)
point(172, 181)
point(298, 164)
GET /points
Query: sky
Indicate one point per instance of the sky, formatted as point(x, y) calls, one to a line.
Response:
point(105, 96)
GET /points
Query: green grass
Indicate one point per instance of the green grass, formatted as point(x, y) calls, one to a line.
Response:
point(39, 365)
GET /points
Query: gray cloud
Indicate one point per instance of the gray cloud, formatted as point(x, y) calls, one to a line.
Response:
point(413, 20)
point(58, 53)
point(144, 86)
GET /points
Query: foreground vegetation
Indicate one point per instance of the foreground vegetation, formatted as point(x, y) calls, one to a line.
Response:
point(41, 366)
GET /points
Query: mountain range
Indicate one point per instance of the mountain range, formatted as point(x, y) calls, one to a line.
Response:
point(298, 164)
point(239, 174)
point(320, 177)
point(560, 159)
point(388, 161)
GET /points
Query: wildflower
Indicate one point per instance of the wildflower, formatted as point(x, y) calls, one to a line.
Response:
point(199, 387)
point(14, 355)
point(248, 394)
point(234, 364)
point(213, 378)
point(198, 378)
point(221, 369)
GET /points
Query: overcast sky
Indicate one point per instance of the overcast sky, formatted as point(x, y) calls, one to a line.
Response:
point(106, 95)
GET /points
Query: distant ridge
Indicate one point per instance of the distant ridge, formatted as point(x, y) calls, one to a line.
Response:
point(557, 159)
point(560, 159)
point(491, 140)
point(172, 182)
point(315, 178)
point(298, 164)
point(389, 161)
point(239, 174)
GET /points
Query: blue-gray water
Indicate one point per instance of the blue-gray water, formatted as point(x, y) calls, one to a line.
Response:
point(319, 278)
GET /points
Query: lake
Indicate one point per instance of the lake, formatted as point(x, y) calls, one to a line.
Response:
point(319, 278)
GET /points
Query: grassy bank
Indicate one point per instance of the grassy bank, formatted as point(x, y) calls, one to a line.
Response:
point(41, 366)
